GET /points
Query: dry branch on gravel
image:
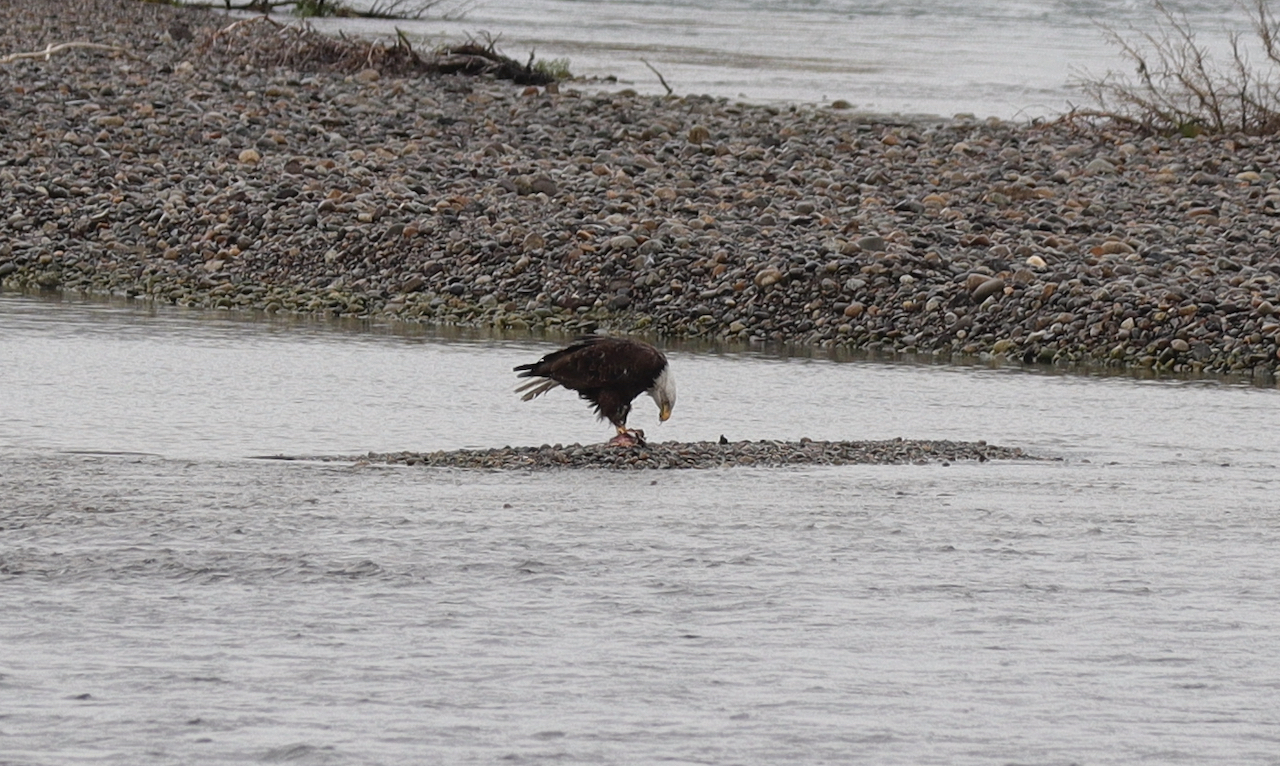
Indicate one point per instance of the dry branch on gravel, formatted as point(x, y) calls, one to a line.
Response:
point(381, 9)
point(263, 42)
point(52, 49)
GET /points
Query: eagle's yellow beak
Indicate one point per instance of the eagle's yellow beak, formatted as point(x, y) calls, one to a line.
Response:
point(664, 412)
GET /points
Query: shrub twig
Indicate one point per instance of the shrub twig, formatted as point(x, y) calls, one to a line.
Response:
point(1179, 88)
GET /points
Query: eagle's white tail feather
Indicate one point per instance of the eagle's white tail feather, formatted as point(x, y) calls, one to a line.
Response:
point(531, 383)
point(539, 385)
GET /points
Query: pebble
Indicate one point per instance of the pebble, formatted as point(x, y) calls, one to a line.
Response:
point(1098, 166)
point(623, 242)
point(872, 244)
point(184, 177)
point(987, 288)
point(768, 277)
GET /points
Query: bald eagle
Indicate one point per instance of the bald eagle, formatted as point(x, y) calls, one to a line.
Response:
point(609, 373)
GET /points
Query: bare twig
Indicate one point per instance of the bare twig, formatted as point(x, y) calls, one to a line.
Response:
point(661, 79)
point(402, 41)
point(244, 23)
point(396, 9)
point(459, 11)
point(256, 6)
point(51, 49)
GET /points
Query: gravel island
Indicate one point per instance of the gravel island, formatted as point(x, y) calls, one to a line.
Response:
point(192, 166)
point(686, 455)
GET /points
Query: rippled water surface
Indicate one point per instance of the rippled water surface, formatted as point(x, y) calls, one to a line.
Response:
point(167, 599)
point(1003, 58)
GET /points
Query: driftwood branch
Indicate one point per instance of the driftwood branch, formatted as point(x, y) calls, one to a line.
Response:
point(51, 49)
point(253, 6)
point(661, 79)
point(261, 41)
point(382, 9)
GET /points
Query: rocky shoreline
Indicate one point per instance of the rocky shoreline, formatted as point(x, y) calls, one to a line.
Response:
point(186, 172)
point(697, 455)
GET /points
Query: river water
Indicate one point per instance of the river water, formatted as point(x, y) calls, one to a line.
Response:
point(1004, 58)
point(167, 599)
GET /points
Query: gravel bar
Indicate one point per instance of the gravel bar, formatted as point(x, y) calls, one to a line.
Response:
point(189, 172)
point(724, 454)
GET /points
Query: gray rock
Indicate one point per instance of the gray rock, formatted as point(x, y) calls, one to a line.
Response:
point(871, 244)
point(987, 289)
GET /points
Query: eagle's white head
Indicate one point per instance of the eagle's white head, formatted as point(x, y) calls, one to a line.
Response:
point(663, 392)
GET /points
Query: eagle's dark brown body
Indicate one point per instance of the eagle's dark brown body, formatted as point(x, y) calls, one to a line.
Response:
point(608, 372)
